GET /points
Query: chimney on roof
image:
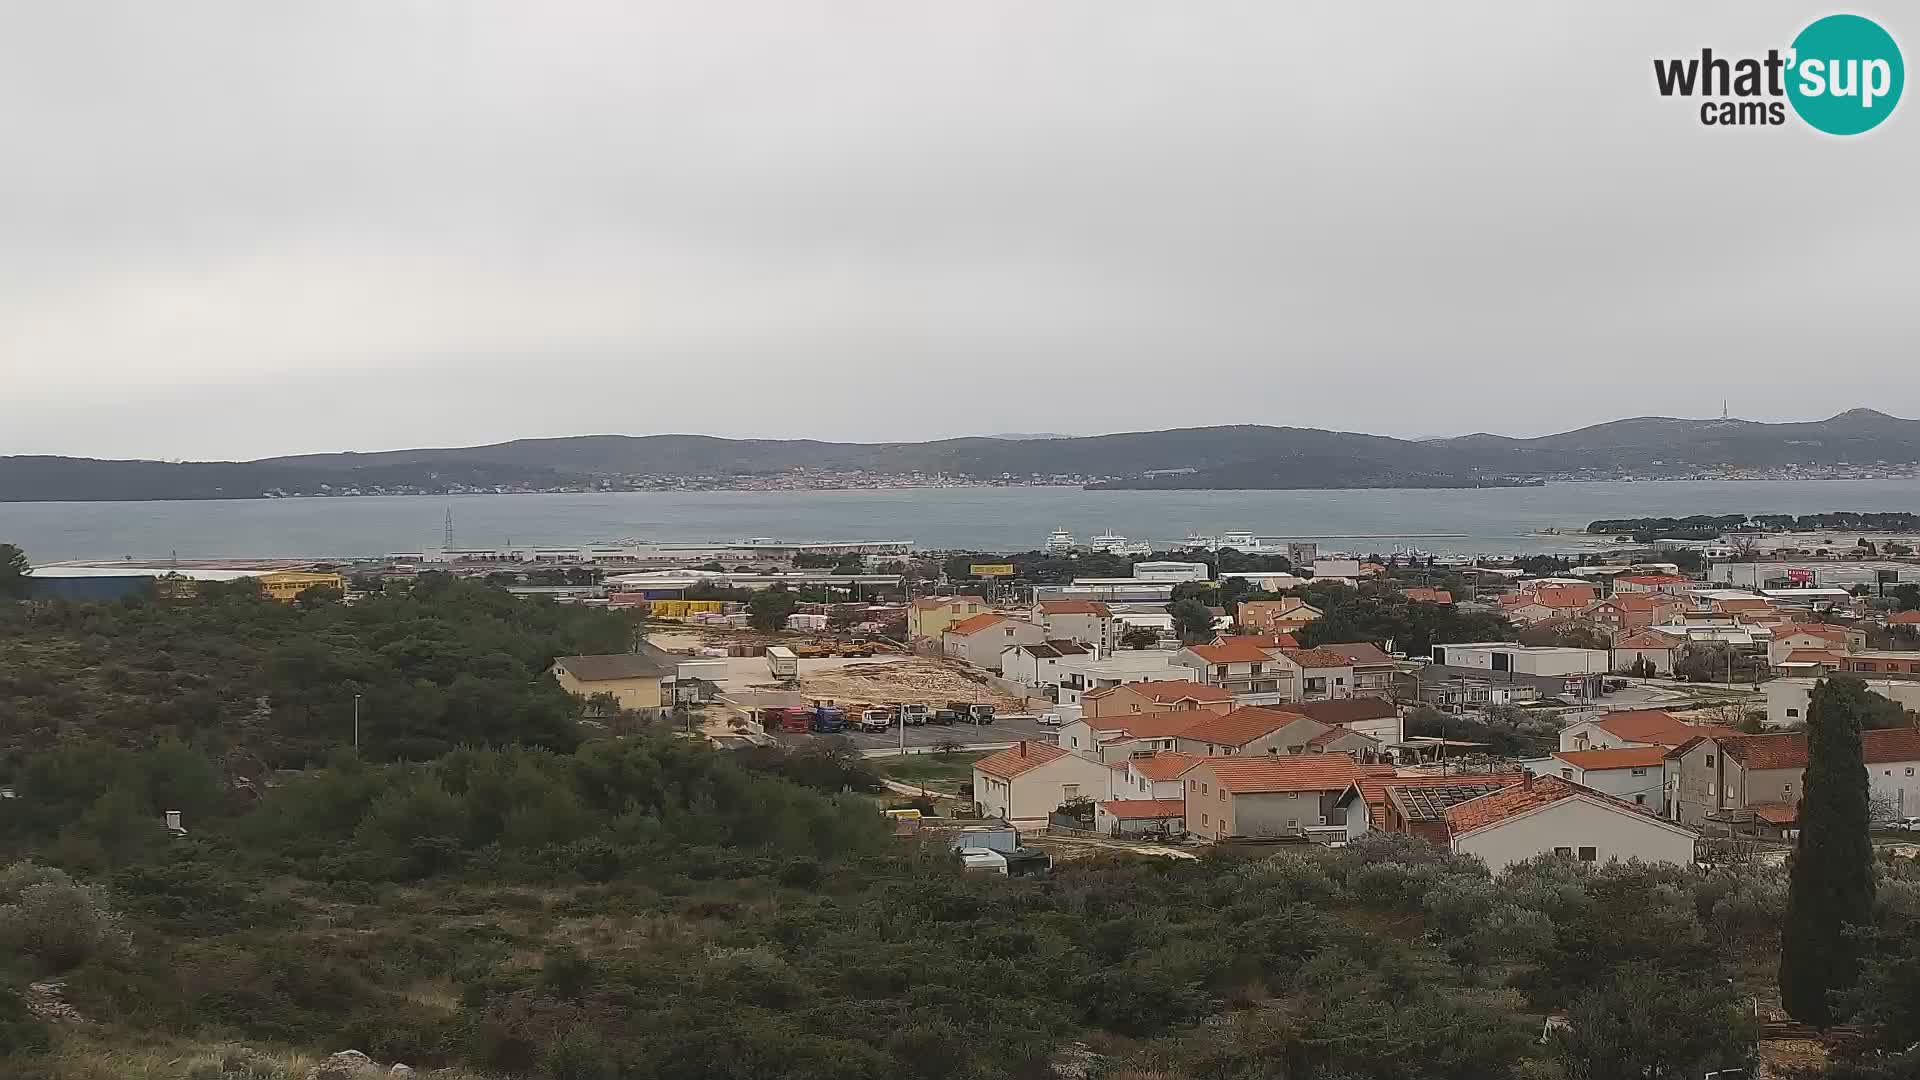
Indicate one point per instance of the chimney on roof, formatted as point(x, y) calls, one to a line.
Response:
point(173, 823)
point(1023, 748)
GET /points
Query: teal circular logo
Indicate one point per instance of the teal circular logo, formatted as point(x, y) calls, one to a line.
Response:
point(1846, 75)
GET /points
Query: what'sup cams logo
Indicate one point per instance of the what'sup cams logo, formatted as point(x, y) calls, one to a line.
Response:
point(1842, 75)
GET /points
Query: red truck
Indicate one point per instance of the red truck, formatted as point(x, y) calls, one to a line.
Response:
point(796, 721)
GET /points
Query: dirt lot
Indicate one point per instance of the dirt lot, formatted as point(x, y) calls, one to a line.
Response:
point(903, 681)
point(892, 679)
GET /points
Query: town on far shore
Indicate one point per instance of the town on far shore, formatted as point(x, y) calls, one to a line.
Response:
point(1644, 690)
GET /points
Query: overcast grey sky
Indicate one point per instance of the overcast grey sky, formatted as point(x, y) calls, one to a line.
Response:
point(244, 228)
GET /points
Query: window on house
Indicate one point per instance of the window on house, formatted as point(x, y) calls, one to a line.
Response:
point(1193, 785)
point(1588, 854)
point(1566, 774)
point(1640, 798)
point(1293, 823)
point(1639, 772)
point(1563, 851)
point(1786, 790)
point(1793, 712)
point(1223, 794)
point(1203, 819)
point(1203, 789)
point(1069, 791)
point(1709, 761)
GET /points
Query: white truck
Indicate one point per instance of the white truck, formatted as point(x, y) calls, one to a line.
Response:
point(781, 663)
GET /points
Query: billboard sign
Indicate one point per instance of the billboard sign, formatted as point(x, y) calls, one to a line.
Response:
point(1799, 576)
point(991, 569)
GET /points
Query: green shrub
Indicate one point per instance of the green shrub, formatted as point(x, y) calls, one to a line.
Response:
point(53, 921)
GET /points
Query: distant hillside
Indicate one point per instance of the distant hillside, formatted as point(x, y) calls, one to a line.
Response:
point(1242, 456)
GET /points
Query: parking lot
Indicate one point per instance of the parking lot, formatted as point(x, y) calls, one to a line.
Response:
point(1001, 732)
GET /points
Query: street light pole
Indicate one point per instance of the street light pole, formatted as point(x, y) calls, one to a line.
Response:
point(356, 723)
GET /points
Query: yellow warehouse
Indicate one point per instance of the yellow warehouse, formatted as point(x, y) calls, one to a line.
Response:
point(287, 585)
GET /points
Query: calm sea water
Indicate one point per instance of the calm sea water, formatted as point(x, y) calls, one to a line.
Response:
point(1489, 520)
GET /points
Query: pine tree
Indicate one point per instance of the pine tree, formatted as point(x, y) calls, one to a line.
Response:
point(1832, 885)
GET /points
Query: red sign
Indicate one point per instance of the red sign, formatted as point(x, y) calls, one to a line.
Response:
point(1799, 577)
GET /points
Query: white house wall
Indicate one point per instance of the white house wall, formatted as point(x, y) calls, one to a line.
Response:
point(1576, 823)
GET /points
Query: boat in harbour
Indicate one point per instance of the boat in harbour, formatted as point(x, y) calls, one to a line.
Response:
point(1115, 544)
point(1059, 540)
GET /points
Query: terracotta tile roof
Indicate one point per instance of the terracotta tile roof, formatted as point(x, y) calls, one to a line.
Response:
point(1648, 639)
point(1161, 725)
point(1165, 765)
point(976, 623)
point(1820, 630)
point(1075, 607)
point(1655, 727)
point(1655, 579)
point(1904, 618)
point(1776, 813)
point(1135, 809)
point(1259, 641)
point(1564, 597)
point(1428, 596)
point(1343, 710)
point(1743, 605)
point(1318, 658)
point(1788, 750)
point(1812, 656)
point(1631, 757)
point(1357, 652)
point(1372, 789)
point(1239, 727)
point(1259, 774)
point(1237, 653)
point(1165, 690)
point(1641, 601)
point(1335, 734)
point(1023, 757)
point(1508, 801)
point(1530, 795)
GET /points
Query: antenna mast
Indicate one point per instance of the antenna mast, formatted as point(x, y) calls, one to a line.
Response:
point(448, 541)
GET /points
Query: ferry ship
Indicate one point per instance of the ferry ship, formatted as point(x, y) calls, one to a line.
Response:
point(1115, 544)
point(1059, 540)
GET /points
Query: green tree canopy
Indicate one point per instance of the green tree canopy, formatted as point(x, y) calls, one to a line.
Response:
point(1831, 895)
point(1192, 621)
point(768, 609)
point(14, 571)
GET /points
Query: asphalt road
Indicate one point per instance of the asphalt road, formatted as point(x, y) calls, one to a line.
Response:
point(1001, 732)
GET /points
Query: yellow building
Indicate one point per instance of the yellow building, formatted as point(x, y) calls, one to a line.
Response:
point(287, 585)
point(634, 679)
point(930, 616)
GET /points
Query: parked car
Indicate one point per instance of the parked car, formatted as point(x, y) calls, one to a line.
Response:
point(1908, 824)
point(1049, 719)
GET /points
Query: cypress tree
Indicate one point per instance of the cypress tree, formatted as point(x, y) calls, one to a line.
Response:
point(1832, 883)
